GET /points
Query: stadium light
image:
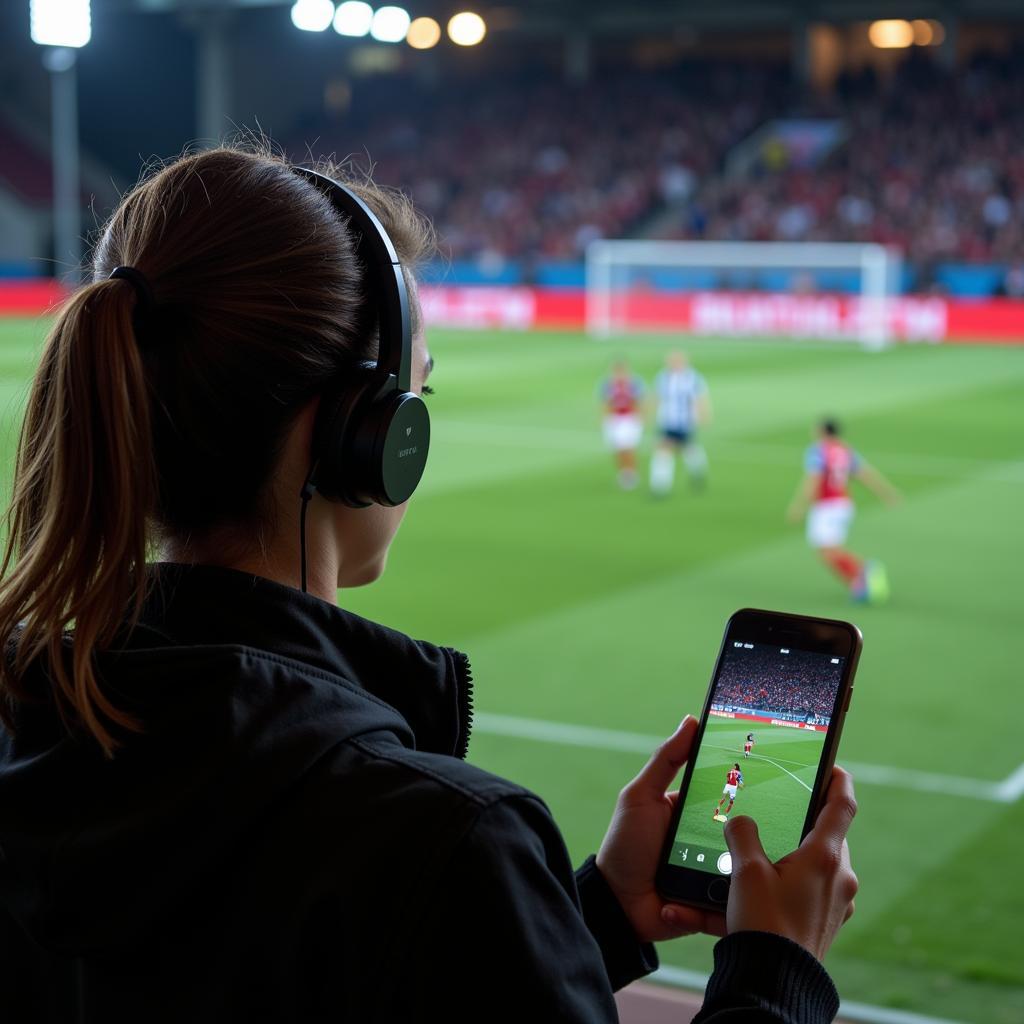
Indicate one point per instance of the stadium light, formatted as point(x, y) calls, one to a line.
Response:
point(63, 27)
point(390, 24)
point(60, 22)
point(891, 34)
point(423, 34)
point(353, 19)
point(928, 32)
point(466, 28)
point(312, 15)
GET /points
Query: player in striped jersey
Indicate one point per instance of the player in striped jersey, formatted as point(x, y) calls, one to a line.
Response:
point(683, 407)
point(824, 496)
point(621, 395)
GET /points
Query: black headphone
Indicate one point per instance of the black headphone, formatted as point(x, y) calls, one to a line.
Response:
point(372, 433)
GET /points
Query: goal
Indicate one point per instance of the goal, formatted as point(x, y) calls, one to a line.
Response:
point(828, 290)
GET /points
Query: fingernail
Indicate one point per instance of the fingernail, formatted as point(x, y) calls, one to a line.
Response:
point(668, 915)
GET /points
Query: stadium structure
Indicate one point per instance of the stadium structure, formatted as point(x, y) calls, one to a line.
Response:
point(876, 153)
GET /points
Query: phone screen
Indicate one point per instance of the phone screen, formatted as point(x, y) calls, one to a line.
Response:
point(770, 711)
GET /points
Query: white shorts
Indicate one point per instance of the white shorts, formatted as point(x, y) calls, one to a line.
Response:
point(730, 791)
point(828, 522)
point(623, 432)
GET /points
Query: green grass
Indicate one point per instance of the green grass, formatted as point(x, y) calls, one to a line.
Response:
point(772, 794)
point(580, 603)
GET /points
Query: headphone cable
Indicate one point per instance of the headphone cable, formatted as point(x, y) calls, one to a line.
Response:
point(302, 537)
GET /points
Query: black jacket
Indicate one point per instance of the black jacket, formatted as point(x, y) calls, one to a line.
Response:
point(295, 837)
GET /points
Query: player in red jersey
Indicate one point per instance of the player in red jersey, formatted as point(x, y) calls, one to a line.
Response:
point(622, 394)
point(733, 781)
point(824, 496)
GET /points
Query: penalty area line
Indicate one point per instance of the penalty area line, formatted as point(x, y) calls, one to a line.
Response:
point(785, 760)
point(786, 770)
point(761, 757)
point(1007, 791)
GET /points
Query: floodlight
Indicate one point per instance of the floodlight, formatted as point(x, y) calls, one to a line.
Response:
point(891, 34)
point(390, 24)
point(312, 15)
point(928, 32)
point(423, 34)
point(60, 22)
point(466, 28)
point(353, 18)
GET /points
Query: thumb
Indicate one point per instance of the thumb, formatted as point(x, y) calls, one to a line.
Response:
point(663, 767)
point(744, 843)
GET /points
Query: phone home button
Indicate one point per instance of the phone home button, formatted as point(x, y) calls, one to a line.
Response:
point(718, 890)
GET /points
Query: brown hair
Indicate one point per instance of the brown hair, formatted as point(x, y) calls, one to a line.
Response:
point(166, 422)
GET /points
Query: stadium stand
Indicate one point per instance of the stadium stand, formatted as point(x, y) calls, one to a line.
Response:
point(533, 171)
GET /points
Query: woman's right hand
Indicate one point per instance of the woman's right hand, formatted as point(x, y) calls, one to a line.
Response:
point(808, 895)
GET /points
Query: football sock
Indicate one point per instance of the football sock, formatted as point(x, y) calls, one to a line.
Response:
point(848, 566)
point(696, 460)
point(663, 471)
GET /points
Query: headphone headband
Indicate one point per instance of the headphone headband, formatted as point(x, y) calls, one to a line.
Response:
point(378, 256)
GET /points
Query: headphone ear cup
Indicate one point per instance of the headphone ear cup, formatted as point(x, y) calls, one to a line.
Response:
point(390, 447)
point(370, 448)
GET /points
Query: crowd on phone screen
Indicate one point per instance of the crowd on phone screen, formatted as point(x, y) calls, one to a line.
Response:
point(532, 169)
point(795, 685)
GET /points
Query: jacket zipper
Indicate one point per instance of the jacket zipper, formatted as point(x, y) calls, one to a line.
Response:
point(463, 699)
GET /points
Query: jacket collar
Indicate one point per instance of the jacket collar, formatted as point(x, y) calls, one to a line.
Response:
point(431, 687)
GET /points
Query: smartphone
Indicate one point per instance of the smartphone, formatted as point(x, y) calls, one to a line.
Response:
point(765, 746)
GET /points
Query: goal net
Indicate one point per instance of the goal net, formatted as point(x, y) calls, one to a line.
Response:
point(830, 290)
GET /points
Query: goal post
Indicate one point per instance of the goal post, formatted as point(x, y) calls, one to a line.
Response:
point(797, 289)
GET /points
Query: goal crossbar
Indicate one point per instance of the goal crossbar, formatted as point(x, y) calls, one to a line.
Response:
point(879, 269)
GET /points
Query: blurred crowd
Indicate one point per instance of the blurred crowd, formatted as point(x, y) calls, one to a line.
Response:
point(533, 169)
point(932, 164)
point(790, 687)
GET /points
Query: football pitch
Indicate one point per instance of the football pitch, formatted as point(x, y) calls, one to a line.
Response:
point(778, 779)
point(592, 616)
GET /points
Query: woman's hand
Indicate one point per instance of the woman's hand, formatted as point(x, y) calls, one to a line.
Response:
point(628, 858)
point(808, 895)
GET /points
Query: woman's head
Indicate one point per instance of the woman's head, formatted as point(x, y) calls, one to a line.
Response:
point(165, 423)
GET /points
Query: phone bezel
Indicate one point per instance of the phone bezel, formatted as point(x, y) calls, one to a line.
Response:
point(754, 625)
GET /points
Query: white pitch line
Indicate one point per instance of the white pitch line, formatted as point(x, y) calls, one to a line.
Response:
point(1012, 787)
point(761, 757)
point(860, 1013)
point(799, 764)
point(1007, 791)
point(787, 771)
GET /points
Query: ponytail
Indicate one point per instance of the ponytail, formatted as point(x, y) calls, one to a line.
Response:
point(85, 484)
point(258, 303)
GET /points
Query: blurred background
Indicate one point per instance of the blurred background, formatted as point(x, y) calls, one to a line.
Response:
point(820, 201)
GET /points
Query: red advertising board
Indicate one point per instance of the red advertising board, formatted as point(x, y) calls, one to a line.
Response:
point(715, 314)
point(30, 298)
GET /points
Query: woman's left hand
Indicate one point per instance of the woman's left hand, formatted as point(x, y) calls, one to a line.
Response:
point(628, 858)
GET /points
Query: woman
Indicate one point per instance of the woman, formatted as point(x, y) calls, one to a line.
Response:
point(223, 798)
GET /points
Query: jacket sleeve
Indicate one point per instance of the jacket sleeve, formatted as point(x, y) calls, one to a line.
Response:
point(762, 978)
point(505, 916)
point(625, 958)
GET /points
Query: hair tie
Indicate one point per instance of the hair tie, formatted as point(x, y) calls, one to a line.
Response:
point(144, 296)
